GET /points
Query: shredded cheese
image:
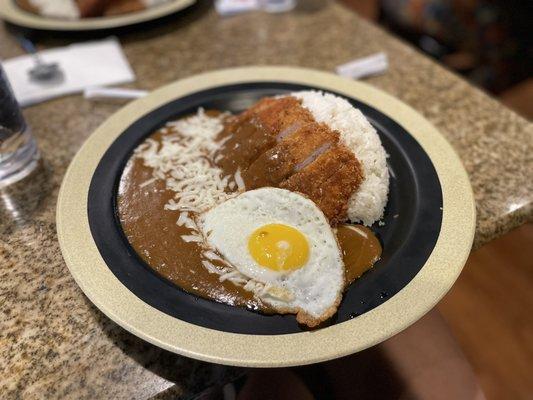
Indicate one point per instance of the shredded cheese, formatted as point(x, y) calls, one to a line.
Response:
point(183, 160)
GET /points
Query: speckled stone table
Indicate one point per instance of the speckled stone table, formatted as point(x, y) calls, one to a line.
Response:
point(54, 343)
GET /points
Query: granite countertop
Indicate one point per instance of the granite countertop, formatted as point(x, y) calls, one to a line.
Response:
point(55, 344)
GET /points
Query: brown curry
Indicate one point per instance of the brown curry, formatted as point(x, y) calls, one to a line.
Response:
point(154, 235)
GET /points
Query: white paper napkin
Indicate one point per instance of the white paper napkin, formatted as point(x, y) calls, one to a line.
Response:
point(84, 65)
point(232, 7)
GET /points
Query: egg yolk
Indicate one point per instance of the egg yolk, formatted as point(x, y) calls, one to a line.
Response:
point(279, 247)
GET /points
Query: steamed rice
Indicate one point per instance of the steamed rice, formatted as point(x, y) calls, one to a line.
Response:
point(57, 8)
point(367, 204)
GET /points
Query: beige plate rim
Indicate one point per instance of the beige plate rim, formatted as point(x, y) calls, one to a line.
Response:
point(412, 302)
point(11, 12)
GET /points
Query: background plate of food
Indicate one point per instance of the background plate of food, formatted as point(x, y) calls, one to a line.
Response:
point(86, 15)
point(265, 216)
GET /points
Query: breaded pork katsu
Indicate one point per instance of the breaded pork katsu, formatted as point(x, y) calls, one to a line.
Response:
point(75, 9)
point(277, 142)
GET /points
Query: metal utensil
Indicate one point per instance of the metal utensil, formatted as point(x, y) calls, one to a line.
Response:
point(42, 71)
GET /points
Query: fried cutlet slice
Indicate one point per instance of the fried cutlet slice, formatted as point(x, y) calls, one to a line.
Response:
point(282, 114)
point(277, 142)
point(256, 130)
point(245, 138)
point(246, 143)
point(257, 107)
point(311, 179)
point(329, 181)
point(287, 156)
point(256, 115)
point(28, 6)
point(91, 8)
point(248, 115)
point(343, 184)
point(117, 7)
point(275, 115)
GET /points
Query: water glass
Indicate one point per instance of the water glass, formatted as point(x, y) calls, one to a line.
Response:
point(18, 150)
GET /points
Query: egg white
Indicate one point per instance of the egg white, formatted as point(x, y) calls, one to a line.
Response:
point(314, 288)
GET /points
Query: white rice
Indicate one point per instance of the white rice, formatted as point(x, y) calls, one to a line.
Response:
point(367, 204)
point(57, 8)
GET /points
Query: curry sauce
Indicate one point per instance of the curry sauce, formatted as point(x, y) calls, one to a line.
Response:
point(155, 236)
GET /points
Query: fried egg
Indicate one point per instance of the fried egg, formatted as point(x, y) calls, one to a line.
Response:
point(282, 241)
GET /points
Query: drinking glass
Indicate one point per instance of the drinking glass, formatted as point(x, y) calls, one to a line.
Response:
point(18, 150)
